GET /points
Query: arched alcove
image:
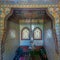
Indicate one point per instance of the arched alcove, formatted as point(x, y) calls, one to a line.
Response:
point(8, 18)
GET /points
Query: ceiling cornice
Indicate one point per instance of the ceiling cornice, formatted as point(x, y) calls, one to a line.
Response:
point(29, 6)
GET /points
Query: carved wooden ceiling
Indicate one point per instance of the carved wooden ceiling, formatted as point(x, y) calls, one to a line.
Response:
point(28, 14)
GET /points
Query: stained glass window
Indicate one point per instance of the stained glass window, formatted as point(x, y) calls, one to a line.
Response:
point(37, 34)
point(25, 34)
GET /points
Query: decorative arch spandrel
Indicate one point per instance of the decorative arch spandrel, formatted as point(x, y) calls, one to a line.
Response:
point(3, 13)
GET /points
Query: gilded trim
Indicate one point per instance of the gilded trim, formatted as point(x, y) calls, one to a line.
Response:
point(29, 6)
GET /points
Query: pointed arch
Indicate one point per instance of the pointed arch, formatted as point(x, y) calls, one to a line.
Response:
point(25, 33)
point(37, 34)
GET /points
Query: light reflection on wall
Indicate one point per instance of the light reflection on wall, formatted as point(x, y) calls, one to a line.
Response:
point(49, 33)
point(12, 33)
point(32, 27)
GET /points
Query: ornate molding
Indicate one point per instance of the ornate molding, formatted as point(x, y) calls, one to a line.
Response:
point(55, 13)
point(29, 6)
point(3, 13)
